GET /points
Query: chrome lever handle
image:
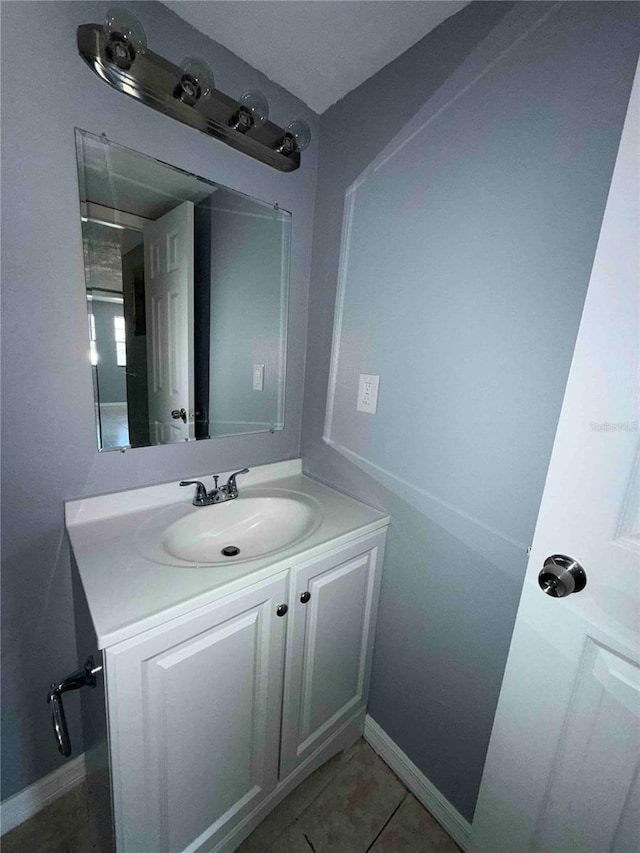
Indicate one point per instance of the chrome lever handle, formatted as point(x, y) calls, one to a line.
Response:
point(201, 490)
point(236, 473)
point(85, 677)
point(231, 486)
point(60, 723)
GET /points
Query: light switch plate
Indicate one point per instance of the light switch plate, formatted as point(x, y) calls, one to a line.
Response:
point(258, 377)
point(368, 393)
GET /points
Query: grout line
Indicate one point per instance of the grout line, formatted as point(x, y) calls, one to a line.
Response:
point(390, 818)
point(332, 779)
point(355, 748)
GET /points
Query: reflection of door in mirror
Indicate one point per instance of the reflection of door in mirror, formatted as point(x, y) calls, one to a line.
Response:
point(169, 251)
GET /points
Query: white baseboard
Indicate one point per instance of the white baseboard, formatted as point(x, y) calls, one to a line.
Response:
point(430, 797)
point(28, 802)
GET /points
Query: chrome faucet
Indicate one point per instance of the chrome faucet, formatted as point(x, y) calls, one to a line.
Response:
point(217, 495)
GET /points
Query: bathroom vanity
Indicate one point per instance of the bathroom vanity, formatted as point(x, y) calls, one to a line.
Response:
point(226, 680)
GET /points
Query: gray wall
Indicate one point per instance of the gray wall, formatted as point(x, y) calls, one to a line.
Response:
point(112, 381)
point(469, 257)
point(49, 449)
point(246, 273)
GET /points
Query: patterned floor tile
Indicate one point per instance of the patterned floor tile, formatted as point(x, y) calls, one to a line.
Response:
point(291, 807)
point(292, 840)
point(61, 827)
point(413, 830)
point(349, 813)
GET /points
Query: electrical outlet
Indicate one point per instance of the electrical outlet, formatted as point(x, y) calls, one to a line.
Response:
point(258, 377)
point(368, 393)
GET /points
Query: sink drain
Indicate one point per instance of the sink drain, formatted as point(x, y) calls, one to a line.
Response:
point(231, 551)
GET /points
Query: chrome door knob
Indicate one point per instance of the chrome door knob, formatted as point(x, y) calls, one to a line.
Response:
point(561, 575)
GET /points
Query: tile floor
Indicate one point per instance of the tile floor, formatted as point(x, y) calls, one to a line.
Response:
point(114, 425)
point(352, 804)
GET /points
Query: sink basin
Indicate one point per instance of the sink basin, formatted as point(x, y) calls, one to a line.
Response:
point(249, 527)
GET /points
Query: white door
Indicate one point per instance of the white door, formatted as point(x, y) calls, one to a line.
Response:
point(194, 710)
point(332, 614)
point(169, 274)
point(563, 769)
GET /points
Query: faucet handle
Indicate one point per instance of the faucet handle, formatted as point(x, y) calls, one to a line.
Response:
point(216, 477)
point(231, 482)
point(201, 491)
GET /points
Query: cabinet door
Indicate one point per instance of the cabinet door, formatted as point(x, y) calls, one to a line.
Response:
point(194, 710)
point(332, 613)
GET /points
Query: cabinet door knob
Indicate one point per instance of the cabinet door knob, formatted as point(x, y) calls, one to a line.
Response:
point(281, 609)
point(304, 597)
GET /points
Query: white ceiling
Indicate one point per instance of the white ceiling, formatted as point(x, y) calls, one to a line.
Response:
point(317, 49)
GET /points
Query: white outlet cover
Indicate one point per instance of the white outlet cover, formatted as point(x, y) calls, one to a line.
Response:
point(258, 377)
point(368, 393)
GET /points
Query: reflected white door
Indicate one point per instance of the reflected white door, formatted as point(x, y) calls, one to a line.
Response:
point(563, 768)
point(169, 274)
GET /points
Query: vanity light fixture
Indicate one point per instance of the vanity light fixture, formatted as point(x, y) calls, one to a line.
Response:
point(117, 52)
point(196, 81)
point(253, 111)
point(125, 37)
point(297, 137)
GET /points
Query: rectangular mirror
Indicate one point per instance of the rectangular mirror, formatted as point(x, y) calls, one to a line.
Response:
point(187, 294)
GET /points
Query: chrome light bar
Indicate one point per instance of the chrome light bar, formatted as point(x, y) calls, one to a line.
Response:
point(148, 77)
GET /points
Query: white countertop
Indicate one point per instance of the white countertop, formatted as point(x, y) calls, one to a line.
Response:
point(114, 537)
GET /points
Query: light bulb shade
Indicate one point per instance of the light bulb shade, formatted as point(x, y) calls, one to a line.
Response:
point(125, 37)
point(257, 105)
point(121, 22)
point(200, 73)
point(301, 132)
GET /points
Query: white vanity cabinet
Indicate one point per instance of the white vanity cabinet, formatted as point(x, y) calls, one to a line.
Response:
point(215, 715)
point(224, 683)
point(194, 711)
